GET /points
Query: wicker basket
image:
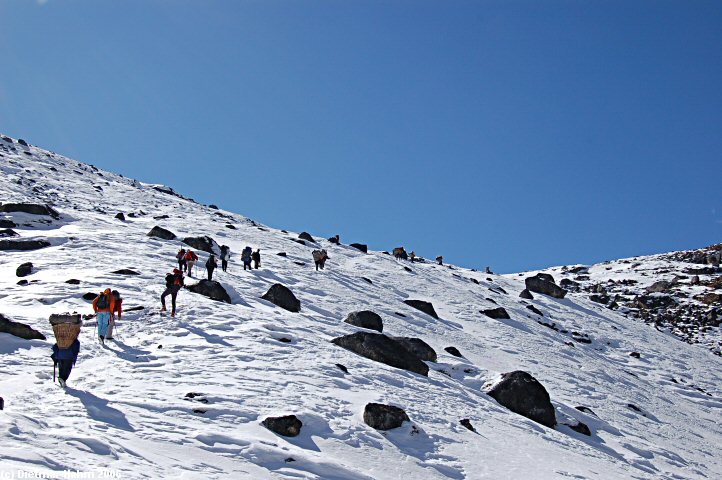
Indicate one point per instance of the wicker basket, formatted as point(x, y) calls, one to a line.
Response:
point(66, 328)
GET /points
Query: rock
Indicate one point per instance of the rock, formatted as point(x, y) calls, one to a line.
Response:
point(204, 243)
point(380, 348)
point(584, 409)
point(384, 417)
point(8, 232)
point(581, 337)
point(24, 270)
point(496, 313)
point(418, 347)
point(2, 403)
point(7, 223)
point(523, 394)
point(161, 217)
point(659, 287)
point(424, 306)
point(526, 294)
point(367, 280)
point(540, 284)
point(211, 289)
point(535, 310)
point(342, 368)
point(31, 208)
point(283, 297)
point(281, 254)
point(22, 142)
point(73, 281)
point(287, 426)
point(306, 236)
point(655, 301)
point(567, 284)
point(603, 299)
point(89, 296)
point(453, 351)
point(232, 227)
point(213, 207)
point(634, 354)
point(160, 232)
point(467, 423)
point(23, 245)
point(120, 216)
point(365, 319)
point(19, 329)
point(360, 246)
point(546, 277)
point(125, 271)
point(581, 428)
point(22, 282)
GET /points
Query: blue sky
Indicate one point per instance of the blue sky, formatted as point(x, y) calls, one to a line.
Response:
point(515, 134)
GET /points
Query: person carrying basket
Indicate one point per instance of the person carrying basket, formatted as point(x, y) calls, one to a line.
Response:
point(67, 347)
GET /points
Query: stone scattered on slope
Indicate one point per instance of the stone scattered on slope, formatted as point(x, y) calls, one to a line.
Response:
point(287, 426)
point(89, 296)
point(282, 254)
point(73, 281)
point(125, 271)
point(24, 245)
point(467, 423)
point(366, 319)
point(417, 347)
point(367, 280)
point(31, 208)
point(7, 223)
point(526, 294)
point(541, 284)
point(306, 236)
point(342, 368)
point(424, 306)
point(496, 313)
point(204, 243)
point(581, 428)
point(380, 348)
point(384, 417)
point(8, 232)
point(453, 351)
point(211, 289)
point(360, 246)
point(162, 233)
point(523, 394)
point(120, 216)
point(24, 270)
point(535, 310)
point(19, 329)
point(283, 297)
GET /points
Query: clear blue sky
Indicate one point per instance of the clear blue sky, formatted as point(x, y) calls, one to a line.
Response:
point(515, 134)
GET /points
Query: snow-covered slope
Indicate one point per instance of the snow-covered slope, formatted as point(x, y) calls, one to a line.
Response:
point(126, 407)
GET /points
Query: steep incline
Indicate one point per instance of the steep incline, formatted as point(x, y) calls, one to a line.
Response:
point(126, 408)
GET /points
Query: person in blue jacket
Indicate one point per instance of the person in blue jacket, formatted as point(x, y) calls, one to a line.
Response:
point(65, 358)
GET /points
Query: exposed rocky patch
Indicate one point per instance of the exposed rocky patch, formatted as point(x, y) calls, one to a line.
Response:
point(31, 208)
point(424, 306)
point(204, 243)
point(384, 417)
point(23, 245)
point(19, 329)
point(366, 319)
point(211, 289)
point(523, 394)
point(496, 313)
point(287, 425)
point(380, 348)
point(24, 270)
point(162, 233)
point(283, 297)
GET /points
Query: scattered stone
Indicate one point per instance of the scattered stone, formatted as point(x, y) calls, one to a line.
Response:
point(535, 310)
point(22, 142)
point(496, 313)
point(7, 223)
point(90, 296)
point(568, 284)
point(581, 428)
point(384, 417)
point(380, 348)
point(24, 270)
point(211, 289)
point(281, 254)
point(588, 410)
point(204, 243)
point(367, 280)
point(284, 340)
point(581, 337)
point(125, 271)
point(360, 246)
point(603, 299)
point(408, 270)
point(523, 394)
point(120, 216)
point(424, 306)
point(161, 217)
point(342, 368)
point(31, 208)
point(418, 347)
point(8, 232)
point(22, 283)
point(634, 407)
point(2, 403)
point(659, 287)
point(541, 284)
point(160, 232)
point(526, 294)
point(19, 329)
point(213, 207)
point(300, 264)
point(365, 319)
point(289, 460)
point(73, 281)
point(287, 426)
point(199, 410)
point(283, 297)
point(400, 314)
point(306, 236)
point(635, 355)
point(467, 423)
point(453, 351)
point(23, 245)
point(232, 227)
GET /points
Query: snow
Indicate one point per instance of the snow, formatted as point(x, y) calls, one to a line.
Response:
point(125, 408)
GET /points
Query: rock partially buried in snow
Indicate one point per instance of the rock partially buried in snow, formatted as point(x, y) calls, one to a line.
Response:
point(204, 243)
point(360, 246)
point(541, 284)
point(287, 426)
point(7, 223)
point(283, 297)
point(211, 289)
point(535, 310)
point(89, 296)
point(160, 232)
point(453, 351)
point(467, 423)
point(581, 428)
point(496, 313)
point(366, 319)
point(125, 271)
point(31, 208)
point(19, 329)
point(306, 236)
point(526, 294)
point(424, 306)
point(384, 417)
point(24, 270)
point(417, 347)
point(23, 245)
point(120, 216)
point(380, 348)
point(8, 232)
point(523, 394)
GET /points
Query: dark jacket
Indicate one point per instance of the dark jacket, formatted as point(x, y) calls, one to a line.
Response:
point(66, 353)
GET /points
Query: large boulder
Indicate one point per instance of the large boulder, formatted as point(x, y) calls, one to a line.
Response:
point(19, 329)
point(125, 271)
point(24, 245)
point(204, 243)
point(306, 236)
point(424, 306)
point(24, 270)
point(283, 297)
point(160, 232)
point(211, 289)
point(526, 294)
point(523, 394)
point(360, 246)
point(541, 284)
point(384, 417)
point(8, 232)
point(418, 347)
point(288, 425)
point(380, 348)
point(4, 223)
point(499, 312)
point(31, 208)
point(366, 319)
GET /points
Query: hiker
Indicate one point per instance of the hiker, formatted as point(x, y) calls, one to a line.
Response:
point(225, 256)
point(117, 308)
point(173, 284)
point(103, 305)
point(412, 256)
point(246, 255)
point(191, 259)
point(256, 257)
point(211, 264)
point(488, 270)
point(400, 253)
point(319, 258)
point(336, 240)
point(440, 260)
point(181, 256)
point(65, 358)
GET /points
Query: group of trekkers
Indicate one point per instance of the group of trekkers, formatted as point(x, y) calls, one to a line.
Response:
point(400, 254)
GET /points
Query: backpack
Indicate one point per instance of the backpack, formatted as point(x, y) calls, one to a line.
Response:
point(181, 254)
point(103, 301)
point(246, 253)
point(116, 295)
point(169, 280)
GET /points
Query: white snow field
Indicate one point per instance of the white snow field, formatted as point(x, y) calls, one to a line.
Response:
point(125, 408)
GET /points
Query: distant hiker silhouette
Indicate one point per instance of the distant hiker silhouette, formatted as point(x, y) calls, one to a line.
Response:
point(67, 347)
point(336, 239)
point(412, 256)
point(246, 258)
point(400, 253)
point(103, 305)
point(225, 256)
point(191, 259)
point(181, 256)
point(256, 256)
point(173, 284)
point(211, 265)
point(489, 271)
point(319, 258)
point(440, 260)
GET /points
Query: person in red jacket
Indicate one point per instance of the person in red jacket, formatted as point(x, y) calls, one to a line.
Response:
point(191, 259)
point(104, 304)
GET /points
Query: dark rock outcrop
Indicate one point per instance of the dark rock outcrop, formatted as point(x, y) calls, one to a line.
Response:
point(7, 223)
point(366, 319)
point(287, 426)
point(8, 232)
point(467, 424)
point(526, 294)
point(581, 428)
point(384, 417)
point(541, 284)
point(453, 351)
point(24, 270)
point(496, 313)
point(380, 348)
point(211, 289)
point(31, 208)
point(360, 246)
point(89, 296)
point(162, 233)
point(204, 243)
point(73, 281)
point(23, 245)
point(424, 306)
point(523, 394)
point(535, 310)
point(283, 297)
point(417, 347)
point(306, 236)
point(19, 329)
point(125, 271)
point(120, 216)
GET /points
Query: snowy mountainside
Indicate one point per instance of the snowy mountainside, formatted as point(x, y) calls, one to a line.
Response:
point(127, 406)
